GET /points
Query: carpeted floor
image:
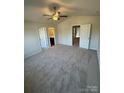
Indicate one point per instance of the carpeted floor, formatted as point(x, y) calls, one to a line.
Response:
point(59, 69)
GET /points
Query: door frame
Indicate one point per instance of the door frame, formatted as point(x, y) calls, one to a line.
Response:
point(72, 34)
point(80, 27)
point(49, 35)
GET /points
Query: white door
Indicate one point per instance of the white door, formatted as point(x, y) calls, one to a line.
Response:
point(85, 35)
point(43, 37)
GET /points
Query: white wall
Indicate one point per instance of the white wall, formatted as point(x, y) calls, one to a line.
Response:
point(65, 29)
point(31, 37)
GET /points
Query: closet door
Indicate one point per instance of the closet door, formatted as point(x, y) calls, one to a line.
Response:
point(85, 35)
point(43, 37)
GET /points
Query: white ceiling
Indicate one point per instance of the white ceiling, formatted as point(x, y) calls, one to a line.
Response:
point(34, 9)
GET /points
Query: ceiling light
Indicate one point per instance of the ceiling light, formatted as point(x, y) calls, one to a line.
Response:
point(55, 16)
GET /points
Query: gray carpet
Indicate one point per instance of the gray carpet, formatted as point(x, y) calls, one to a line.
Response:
point(59, 69)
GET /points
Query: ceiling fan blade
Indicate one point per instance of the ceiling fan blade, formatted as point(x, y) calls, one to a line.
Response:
point(46, 15)
point(49, 18)
point(63, 16)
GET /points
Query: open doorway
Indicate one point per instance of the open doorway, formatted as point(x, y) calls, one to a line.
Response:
point(75, 35)
point(51, 31)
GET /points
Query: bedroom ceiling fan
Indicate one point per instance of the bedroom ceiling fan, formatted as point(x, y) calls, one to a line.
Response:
point(56, 15)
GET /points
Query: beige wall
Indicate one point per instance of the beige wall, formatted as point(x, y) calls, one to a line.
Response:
point(65, 29)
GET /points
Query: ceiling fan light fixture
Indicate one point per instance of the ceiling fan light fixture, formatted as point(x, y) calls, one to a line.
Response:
point(55, 16)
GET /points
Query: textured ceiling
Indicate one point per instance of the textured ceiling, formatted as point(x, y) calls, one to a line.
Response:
point(34, 9)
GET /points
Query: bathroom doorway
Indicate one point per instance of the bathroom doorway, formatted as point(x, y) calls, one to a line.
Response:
point(51, 32)
point(75, 35)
